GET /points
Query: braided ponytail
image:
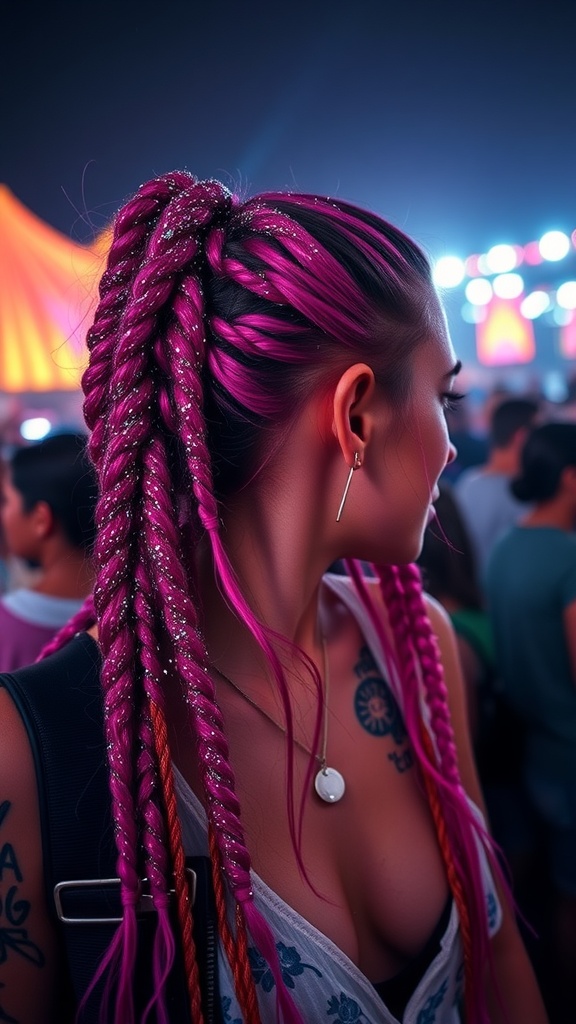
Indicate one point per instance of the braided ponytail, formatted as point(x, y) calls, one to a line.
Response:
point(118, 407)
point(152, 391)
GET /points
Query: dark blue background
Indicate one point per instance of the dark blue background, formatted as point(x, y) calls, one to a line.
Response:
point(456, 120)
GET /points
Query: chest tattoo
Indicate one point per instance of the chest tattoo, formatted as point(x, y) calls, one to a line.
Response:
point(377, 711)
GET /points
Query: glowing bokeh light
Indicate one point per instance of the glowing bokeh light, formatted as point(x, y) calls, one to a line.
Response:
point(508, 286)
point(534, 304)
point(501, 258)
point(478, 292)
point(448, 272)
point(473, 314)
point(562, 317)
point(566, 295)
point(554, 386)
point(471, 266)
point(532, 254)
point(519, 250)
point(35, 428)
point(554, 245)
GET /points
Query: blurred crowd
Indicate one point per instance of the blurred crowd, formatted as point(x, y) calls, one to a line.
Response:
point(500, 556)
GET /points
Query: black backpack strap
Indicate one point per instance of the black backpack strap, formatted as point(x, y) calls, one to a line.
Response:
point(60, 702)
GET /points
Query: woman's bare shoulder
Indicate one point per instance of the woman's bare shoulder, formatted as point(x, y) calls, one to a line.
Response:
point(28, 948)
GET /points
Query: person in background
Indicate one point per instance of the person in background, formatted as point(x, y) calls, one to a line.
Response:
point(48, 497)
point(483, 493)
point(531, 592)
point(266, 396)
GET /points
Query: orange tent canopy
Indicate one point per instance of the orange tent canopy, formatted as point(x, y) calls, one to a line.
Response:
point(48, 292)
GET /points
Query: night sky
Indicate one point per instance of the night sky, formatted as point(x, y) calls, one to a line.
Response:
point(456, 121)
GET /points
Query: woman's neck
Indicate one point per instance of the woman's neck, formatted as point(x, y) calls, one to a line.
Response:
point(282, 591)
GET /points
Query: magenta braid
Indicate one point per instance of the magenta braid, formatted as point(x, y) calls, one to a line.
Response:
point(151, 289)
point(84, 618)
point(437, 699)
point(156, 867)
point(129, 424)
point(125, 257)
point(180, 616)
point(416, 647)
point(157, 864)
point(421, 671)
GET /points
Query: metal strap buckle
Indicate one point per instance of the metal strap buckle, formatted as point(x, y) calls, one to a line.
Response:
point(145, 904)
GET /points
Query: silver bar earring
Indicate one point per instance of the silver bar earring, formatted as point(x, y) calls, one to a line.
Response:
point(356, 466)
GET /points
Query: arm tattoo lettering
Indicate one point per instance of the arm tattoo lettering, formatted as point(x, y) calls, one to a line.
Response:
point(8, 862)
point(13, 911)
point(377, 711)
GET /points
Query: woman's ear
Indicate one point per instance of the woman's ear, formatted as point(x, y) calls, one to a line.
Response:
point(353, 411)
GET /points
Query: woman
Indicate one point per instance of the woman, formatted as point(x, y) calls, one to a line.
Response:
point(532, 599)
point(266, 395)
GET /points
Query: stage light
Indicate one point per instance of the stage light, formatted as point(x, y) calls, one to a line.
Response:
point(448, 272)
point(535, 304)
point(479, 291)
point(501, 258)
point(566, 295)
point(35, 428)
point(554, 245)
point(508, 286)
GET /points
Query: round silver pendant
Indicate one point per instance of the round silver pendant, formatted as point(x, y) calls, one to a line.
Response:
point(329, 785)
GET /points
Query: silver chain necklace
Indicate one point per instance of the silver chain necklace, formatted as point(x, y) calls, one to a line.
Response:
point(329, 782)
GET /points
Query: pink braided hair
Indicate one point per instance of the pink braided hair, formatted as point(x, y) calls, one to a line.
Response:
point(420, 666)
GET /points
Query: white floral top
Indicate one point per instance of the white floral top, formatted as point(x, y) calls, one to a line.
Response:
point(326, 986)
